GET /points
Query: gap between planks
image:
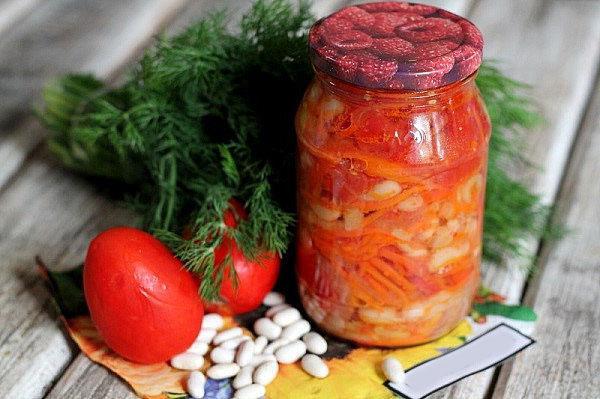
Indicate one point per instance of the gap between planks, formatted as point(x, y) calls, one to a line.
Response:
point(96, 37)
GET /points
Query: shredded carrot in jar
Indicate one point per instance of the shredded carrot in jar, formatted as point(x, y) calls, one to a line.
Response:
point(390, 203)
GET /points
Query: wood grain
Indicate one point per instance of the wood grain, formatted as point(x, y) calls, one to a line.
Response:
point(566, 359)
point(460, 7)
point(322, 8)
point(44, 210)
point(560, 88)
point(64, 36)
point(13, 11)
point(48, 211)
point(93, 381)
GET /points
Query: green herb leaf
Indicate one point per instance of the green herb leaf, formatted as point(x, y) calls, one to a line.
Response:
point(512, 212)
point(515, 312)
point(176, 395)
point(67, 289)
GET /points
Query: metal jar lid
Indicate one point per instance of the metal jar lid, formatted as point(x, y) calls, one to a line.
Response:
point(396, 46)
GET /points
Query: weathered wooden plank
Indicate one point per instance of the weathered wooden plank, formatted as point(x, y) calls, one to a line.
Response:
point(62, 36)
point(50, 213)
point(92, 381)
point(69, 35)
point(460, 7)
point(234, 10)
point(14, 148)
point(566, 359)
point(322, 8)
point(518, 34)
point(569, 96)
point(47, 211)
point(12, 11)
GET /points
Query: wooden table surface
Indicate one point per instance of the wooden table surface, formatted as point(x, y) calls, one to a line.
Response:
point(552, 45)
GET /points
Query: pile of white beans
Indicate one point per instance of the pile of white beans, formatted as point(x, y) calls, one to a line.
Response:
point(283, 337)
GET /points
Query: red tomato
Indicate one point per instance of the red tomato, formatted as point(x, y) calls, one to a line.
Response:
point(143, 302)
point(255, 279)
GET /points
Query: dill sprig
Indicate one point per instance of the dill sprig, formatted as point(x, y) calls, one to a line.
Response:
point(512, 212)
point(207, 116)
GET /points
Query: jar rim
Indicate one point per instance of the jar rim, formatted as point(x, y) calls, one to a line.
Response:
point(360, 93)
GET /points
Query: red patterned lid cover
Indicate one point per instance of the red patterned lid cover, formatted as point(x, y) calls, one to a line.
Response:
point(396, 46)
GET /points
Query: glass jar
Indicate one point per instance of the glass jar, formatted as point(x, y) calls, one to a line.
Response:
point(391, 181)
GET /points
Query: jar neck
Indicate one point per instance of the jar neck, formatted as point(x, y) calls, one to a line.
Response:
point(354, 93)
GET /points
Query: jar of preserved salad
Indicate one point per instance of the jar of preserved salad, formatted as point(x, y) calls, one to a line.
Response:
point(392, 153)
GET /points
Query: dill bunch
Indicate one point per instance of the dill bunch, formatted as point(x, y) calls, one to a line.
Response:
point(207, 116)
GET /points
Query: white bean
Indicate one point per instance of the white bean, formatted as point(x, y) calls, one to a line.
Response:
point(332, 106)
point(287, 317)
point(411, 204)
point(257, 360)
point(353, 219)
point(187, 361)
point(275, 309)
point(445, 255)
point(315, 343)
point(198, 347)
point(291, 352)
point(384, 189)
point(259, 344)
point(212, 320)
point(315, 366)
point(245, 353)
point(253, 391)
point(244, 377)
point(233, 343)
point(222, 355)
point(273, 298)
point(227, 335)
point(266, 327)
point(326, 214)
point(195, 384)
point(296, 330)
point(206, 335)
point(265, 373)
point(221, 371)
point(273, 346)
point(393, 371)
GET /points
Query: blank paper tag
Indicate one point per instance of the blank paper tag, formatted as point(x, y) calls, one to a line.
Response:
point(482, 352)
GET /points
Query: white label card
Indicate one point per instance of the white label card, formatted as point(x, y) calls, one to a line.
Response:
point(478, 354)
